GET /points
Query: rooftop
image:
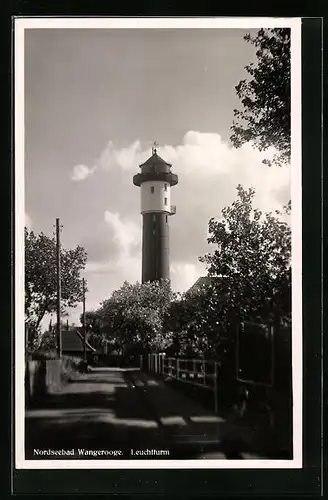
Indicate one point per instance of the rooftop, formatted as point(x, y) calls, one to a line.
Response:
point(73, 341)
point(155, 164)
point(204, 281)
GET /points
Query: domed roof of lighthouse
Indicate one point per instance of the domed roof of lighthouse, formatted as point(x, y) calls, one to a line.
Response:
point(155, 164)
point(155, 169)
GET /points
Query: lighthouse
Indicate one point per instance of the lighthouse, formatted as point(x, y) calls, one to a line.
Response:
point(155, 180)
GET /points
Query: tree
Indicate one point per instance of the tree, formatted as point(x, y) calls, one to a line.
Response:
point(48, 341)
point(134, 314)
point(199, 320)
point(249, 278)
point(265, 96)
point(41, 277)
point(93, 322)
point(253, 254)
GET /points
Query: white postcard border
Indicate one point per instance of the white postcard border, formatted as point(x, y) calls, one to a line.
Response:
point(20, 25)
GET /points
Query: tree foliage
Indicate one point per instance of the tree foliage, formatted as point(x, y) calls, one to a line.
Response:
point(93, 321)
point(197, 321)
point(48, 340)
point(249, 279)
point(253, 254)
point(134, 314)
point(265, 96)
point(41, 277)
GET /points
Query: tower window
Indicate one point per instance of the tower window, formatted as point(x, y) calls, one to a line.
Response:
point(166, 218)
point(165, 187)
point(154, 218)
point(165, 201)
point(152, 189)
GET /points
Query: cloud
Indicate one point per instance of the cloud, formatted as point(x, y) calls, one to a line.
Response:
point(125, 157)
point(81, 172)
point(125, 234)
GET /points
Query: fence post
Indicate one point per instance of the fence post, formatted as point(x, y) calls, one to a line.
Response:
point(215, 387)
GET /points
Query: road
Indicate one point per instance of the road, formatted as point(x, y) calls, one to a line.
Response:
point(113, 413)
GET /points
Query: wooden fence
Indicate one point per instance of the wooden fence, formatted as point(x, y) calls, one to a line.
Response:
point(198, 372)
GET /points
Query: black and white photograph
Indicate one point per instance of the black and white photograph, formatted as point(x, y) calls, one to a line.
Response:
point(158, 307)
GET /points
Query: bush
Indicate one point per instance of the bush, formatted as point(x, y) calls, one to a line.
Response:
point(70, 368)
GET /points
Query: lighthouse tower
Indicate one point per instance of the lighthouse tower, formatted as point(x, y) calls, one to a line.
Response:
point(155, 180)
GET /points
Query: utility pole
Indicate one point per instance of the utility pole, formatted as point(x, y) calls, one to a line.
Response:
point(59, 337)
point(84, 326)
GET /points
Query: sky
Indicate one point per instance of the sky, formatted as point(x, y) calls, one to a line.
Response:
point(95, 101)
